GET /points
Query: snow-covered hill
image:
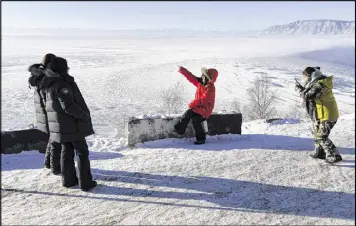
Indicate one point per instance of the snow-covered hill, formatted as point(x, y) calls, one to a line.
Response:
point(312, 27)
point(263, 176)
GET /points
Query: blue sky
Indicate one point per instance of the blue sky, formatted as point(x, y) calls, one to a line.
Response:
point(239, 16)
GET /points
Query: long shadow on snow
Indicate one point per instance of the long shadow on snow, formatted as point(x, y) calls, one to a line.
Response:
point(26, 160)
point(246, 141)
point(352, 165)
point(232, 195)
point(235, 195)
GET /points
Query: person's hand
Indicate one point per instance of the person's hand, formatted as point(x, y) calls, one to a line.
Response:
point(299, 87)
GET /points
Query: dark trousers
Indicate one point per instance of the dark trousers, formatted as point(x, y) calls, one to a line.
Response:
point(53, 156)
point(197, 120)
point(69, 177)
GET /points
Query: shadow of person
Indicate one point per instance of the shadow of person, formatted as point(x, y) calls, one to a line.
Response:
point(234, 194)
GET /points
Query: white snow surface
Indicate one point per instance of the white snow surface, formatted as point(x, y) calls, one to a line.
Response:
point(263, 176)
point(124, 77)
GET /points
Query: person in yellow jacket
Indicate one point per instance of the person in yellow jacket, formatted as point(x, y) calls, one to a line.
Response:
point(322, 108)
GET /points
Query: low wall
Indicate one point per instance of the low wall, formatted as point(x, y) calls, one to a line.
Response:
point(138, 131)
point(17, 141)
point(149, 129)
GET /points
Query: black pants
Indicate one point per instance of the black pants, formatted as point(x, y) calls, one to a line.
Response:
point(69, 177)
point(181, 126)
point(53, 156)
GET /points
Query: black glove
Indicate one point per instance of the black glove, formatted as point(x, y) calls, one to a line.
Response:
point(299, 87)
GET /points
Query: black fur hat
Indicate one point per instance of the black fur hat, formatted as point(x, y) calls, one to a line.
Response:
point(47, 58)
point(59, 65)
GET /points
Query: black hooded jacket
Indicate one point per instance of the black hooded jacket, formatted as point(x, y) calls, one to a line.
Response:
point(68, 115)
point(35, 81)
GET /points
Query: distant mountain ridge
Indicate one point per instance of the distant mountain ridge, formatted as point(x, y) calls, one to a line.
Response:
point(312, 27)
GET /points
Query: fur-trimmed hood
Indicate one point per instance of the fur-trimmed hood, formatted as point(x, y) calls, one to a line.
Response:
point(211, 74)
point(52, 77)
point(37, 73)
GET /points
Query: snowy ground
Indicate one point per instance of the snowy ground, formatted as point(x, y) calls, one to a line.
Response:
point(125, 77)
point(261, 177)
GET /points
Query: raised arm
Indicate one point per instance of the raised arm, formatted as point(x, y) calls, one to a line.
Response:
point(191, 78)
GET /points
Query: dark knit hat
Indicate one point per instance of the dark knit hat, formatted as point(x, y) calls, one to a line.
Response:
point(47, 58)
point(309, 70)
point(59, 65)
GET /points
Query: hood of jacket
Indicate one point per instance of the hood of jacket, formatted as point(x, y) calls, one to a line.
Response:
point(328, 82)
point(52, 77)
point(37, 73)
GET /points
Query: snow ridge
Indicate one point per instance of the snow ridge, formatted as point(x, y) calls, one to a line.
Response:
point(312, 27)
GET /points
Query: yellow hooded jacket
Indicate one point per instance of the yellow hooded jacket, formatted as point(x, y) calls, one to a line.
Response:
point(326, 105)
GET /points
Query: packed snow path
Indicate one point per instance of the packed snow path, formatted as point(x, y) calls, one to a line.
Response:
point(264, 176)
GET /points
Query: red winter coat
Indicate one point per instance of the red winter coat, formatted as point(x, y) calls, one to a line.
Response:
point(204, 101)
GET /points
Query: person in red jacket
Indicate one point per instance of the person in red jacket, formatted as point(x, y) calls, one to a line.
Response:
point(202, 106)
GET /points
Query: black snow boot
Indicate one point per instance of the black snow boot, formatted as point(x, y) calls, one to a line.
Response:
point(198, 142)
point(56, 172)
point(72, 184)
point(92, 185)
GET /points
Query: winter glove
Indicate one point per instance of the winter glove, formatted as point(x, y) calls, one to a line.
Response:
point(298, 87)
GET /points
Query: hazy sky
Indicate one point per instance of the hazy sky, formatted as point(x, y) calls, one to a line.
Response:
point(162, 15)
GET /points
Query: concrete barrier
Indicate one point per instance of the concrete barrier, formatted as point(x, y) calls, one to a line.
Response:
point(148, 129)
point(16, 141)
point(138, 130)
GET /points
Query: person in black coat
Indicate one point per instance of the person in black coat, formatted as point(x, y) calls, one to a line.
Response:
point(53, 150)
point(69, 123)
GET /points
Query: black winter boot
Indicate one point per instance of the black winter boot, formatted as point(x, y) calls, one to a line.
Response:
point(198, 142)
point(56, 172)
point(92, 185)
point(72, 184)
